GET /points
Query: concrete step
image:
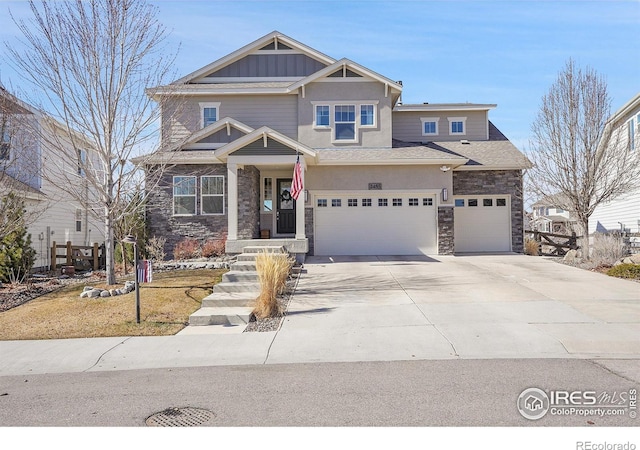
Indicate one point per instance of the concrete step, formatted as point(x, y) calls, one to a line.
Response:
point(230, 299)
point(236, 286)
point(264, 248)
point(240, 275)
point(244, 257)
point(243, 266)
point(221, 316)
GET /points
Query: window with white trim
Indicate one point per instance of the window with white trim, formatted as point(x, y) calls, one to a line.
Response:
point(429, 126)
point(267, 194)
point(345, 122)
point(367, 115)
point(184, 196)
point(212, 194)
point(209, 113)
point(82, 162)
point(457, 125)
point(322, 116)
point(322, 203)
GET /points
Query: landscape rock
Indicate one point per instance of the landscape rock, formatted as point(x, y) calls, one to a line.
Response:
point(88, 288)
point(84, 294)
point(113, 292)
point(95, 293)
point(105, 294)
point(571, 257)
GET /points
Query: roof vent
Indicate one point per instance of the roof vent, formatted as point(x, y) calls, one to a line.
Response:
point(464, 141)
point(425, 103)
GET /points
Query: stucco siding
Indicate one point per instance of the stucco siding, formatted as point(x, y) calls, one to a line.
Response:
point(407, 125)
point(344, 93)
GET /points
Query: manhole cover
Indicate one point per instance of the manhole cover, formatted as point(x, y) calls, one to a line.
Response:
point(180, 417)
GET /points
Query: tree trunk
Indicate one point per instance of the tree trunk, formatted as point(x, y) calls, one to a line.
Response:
point(585, 239)
point(109, 247)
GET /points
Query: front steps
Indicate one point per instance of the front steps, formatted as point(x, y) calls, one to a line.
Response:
point(232, 300)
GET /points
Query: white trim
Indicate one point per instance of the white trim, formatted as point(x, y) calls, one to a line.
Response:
point(200, 146)
point(213, 80)
point(315, 116)
point(464, 125)
point(209, 105)
point(202, 195)
point(375, 115)
point(424, 120)
point(335, 123)
point(195, 196)
point(445, 107)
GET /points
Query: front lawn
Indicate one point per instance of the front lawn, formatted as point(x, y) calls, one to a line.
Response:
point(165, 307)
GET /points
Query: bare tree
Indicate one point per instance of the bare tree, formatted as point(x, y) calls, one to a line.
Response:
point(93, 59)
point(579, 154)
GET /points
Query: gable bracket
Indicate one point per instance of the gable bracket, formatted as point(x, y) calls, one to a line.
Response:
point(228, 129)
point(264, 139)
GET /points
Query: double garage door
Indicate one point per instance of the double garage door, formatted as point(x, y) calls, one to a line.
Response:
point(380, 224)
point(482, 224)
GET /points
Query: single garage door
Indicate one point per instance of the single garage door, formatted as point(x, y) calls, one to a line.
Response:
point(382, 224)
point(482, 224)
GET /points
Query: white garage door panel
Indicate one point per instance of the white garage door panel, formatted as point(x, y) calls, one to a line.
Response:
point(375, 230)
point(482, 228)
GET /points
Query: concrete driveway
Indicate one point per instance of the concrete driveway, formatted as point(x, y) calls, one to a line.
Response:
point(446, 307)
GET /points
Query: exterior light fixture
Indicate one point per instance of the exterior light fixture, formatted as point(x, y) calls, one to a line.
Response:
point(130, 239)
point(445, 168)
point(445, 195)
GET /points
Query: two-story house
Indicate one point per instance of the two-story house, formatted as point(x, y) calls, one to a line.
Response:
point(547, 215)
point(380, 177)
point(25, 155)
point(623, 213)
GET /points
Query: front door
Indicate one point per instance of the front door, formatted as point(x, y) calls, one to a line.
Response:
point(285, 208)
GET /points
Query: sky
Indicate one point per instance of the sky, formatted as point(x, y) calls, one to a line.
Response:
point(503, 52)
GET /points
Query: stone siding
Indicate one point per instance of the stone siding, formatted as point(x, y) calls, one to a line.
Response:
point(445, 230)
point(162, 223)
point(496, 182)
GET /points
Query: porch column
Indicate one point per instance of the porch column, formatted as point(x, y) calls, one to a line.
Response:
point(300, 204)
point(232, 199)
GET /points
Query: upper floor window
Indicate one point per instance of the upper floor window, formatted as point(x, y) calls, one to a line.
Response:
point(78, 220)
point(429, 126)
point(212, 193)
point(457, 125)
point(345, 122)
point(5, 146)
point(367, 115)
point(184, 195)
point(209, 113)
point(82, 162)
point(322, 115)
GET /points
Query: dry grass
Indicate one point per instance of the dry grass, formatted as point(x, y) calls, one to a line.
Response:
point(531, 247)
point(273, 270)
point(165, 307)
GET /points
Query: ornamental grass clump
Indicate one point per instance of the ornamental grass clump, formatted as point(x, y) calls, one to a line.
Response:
point(273, 271)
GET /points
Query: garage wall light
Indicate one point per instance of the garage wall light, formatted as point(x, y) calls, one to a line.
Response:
point(445, 195)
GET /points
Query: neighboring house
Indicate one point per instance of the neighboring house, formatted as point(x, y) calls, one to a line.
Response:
point(622, 214)
point(24, 156)
point(380, 177)
point(547, 216)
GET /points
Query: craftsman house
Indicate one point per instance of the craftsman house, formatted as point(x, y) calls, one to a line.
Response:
point(379, 177)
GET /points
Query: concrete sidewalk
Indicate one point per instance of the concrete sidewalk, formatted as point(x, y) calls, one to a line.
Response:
point(386, 309)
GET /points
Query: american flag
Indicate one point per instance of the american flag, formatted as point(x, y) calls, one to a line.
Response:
point(296, 185)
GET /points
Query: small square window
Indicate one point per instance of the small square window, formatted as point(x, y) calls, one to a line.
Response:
point(322, 203)
point(459, 202)
point(501, 202)
point(336, 202)
point(382, 202)
point(397, 202)
point(457, 127)
point(429, 202)
point(352, 202)
point(472, 202)
point(366, 202)
point(487, 202)
point(413, 202)
point(367, 115)
point(322, 115)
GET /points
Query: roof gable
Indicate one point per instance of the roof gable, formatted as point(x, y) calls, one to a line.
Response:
point(276, 47)
point(265, 135)
point(206, 135)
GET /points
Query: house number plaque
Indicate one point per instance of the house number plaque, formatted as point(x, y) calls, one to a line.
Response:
point(375, 186)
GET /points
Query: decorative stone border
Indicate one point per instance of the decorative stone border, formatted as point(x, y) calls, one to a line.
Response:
point(91, 292)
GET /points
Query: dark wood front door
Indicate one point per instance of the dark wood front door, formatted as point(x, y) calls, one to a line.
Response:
point(285, 208)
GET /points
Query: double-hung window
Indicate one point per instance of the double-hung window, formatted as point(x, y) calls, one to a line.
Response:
point(457, 125)
point(209, 112)
point(212, 193)
point(184, 196)
point(322, 115)
point(345, 122)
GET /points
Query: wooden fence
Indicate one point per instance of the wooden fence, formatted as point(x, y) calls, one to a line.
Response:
point(79, 256)
point(552, 244)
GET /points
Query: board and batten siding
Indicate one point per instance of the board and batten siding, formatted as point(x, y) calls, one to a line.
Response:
point(271, 65)
point(279, 112)
point(407, 126)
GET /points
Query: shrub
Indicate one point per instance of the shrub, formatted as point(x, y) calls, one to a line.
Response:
point(625, 271)
point(606, 249)
point(155, 248)
point(273, 270)
point(16, 255)
point(213, 248)
point(186, 249)
point(531, 247)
